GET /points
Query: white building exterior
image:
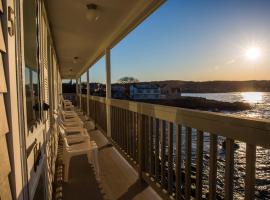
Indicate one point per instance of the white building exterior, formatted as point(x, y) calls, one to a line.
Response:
point(144, 91)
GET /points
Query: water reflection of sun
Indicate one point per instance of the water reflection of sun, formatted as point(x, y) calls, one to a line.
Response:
point(252, 97)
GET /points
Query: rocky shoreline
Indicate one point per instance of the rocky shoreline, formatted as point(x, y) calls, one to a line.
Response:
point(200, 103)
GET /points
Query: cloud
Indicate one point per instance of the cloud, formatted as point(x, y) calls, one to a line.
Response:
point(216, 68)
point(229, 62)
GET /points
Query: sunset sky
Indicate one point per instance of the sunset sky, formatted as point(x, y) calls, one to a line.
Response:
point(196, 40)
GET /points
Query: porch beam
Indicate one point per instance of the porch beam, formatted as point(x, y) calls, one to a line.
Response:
point(108, 90)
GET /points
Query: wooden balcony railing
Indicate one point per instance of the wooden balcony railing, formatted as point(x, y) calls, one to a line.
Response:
point(169, 146)
point(72, 97)
point(97, 112)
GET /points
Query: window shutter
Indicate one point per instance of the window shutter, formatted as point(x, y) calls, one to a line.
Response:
point(44, 69)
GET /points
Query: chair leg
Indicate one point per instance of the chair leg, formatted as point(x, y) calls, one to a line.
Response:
point(90, 157)
point(66, 163)
point(96, 163)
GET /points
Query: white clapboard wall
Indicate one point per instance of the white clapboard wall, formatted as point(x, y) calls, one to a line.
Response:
point(5, 192)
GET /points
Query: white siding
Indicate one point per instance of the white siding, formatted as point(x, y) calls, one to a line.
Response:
point(5, 169)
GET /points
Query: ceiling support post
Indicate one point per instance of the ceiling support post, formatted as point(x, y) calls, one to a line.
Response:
point(77, 93)
point(108, 90)
point(88, 93)
point(80, 93)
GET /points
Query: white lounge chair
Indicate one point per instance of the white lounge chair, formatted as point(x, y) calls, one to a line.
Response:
point(88, 148)
point(77, 142)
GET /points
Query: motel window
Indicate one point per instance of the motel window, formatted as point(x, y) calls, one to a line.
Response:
point(31, 65)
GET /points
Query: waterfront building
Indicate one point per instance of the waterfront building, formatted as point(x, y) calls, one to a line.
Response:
point(144, 91)
point(169, 91)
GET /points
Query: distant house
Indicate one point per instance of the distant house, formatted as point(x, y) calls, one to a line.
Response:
point(98, 89)
point(119, 91)
point(144, 91)
point(169, 91)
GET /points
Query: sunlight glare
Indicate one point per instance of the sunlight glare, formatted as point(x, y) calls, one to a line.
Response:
point(253, 53)
point(252, 97)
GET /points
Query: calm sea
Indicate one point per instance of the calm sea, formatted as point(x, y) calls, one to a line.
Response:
point(260, 102)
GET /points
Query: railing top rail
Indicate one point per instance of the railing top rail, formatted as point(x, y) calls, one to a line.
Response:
point(249, 130)
point(69, 93)
point(97, 98)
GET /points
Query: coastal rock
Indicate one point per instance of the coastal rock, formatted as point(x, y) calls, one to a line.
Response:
point(201, 104)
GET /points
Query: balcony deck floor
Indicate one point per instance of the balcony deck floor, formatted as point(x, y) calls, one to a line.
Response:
point(118, 180)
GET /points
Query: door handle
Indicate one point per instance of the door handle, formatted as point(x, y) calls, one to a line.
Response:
point(46, 106)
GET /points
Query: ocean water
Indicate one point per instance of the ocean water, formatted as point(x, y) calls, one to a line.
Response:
point(260, 102)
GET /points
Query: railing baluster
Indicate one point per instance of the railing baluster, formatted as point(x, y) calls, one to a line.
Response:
point(151, 148)
point(213, 167)
point(133, 136)
point(120, 127)
point(163, 147)
point(141, 138)
point(199, 164)
point(122, 130)
point(112, 121)
point(157, 161)
point(136, 137)
point(229, 168)
point(250, 172)
point(170, 158)
point(146, 142)
point(188, 163)
point(126, 131)
point(178, 168)
point(115, 123)
point(116, 126)
point(129, 133)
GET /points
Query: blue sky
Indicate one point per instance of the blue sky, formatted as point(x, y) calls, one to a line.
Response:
point(195, 40)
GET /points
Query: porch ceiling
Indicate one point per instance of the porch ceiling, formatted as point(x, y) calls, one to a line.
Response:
point(75, 36)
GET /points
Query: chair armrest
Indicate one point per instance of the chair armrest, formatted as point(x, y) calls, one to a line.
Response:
point(69, 112)
point(77, 139)
point(74, 129)
point(74, 119)
point(72, 124)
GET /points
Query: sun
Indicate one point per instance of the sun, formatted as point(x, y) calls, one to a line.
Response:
point(253, 53)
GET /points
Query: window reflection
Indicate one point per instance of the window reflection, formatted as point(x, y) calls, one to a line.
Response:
point(31, 66)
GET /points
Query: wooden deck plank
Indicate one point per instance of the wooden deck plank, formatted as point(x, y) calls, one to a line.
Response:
point(118, 179)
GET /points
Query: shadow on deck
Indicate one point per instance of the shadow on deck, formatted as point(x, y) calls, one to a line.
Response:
point(118, 179)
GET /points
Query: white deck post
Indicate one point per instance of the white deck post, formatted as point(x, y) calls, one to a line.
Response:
point(108, 90)
point(77, 92)
point(88, 93)
point(80, 92)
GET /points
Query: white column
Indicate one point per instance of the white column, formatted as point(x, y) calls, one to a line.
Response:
point(88, 93)
point(108, 90)
point(80, 92)
point(77, 92)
